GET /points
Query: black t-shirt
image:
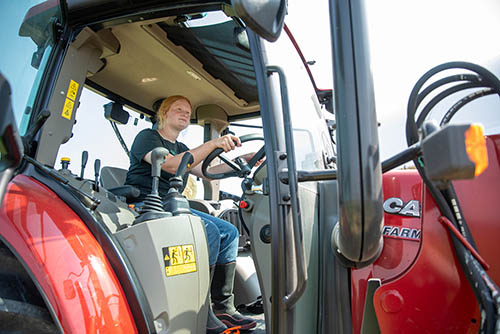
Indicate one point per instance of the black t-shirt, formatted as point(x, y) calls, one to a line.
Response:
point(139, 172)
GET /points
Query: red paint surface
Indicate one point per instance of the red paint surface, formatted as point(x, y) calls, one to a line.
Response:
point(68, 263)
point(431, 294)
point(398, 254)
point(480, 203)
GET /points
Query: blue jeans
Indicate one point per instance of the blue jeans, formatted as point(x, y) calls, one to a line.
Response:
point(222, 238)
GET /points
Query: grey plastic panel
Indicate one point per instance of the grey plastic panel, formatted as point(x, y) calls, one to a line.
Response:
point(114, 213)
point(64, 101)
point(258, 217)
point(306, 309)
point(335, 298)
point(246, 283)
point(178, 302)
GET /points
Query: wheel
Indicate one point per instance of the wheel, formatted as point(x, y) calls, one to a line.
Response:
point(239, 166)
point(22, 309)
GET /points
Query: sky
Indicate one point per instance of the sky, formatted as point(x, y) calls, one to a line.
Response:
point(408, 38)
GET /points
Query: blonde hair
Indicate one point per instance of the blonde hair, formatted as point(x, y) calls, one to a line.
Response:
point(165, 107)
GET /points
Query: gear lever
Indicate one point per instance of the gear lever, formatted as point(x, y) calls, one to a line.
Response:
point(85, 158)
point(175, 202)
point(97, 168)
point(153, 208)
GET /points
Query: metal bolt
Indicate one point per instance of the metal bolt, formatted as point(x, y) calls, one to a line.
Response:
point(286, 197)
point(282, 156)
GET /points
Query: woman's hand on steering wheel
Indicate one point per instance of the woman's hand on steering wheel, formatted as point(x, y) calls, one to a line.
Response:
point(227, 142)
point(240, 166)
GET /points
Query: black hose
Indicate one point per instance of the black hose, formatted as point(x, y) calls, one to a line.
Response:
point(411, 127)
point(444, 94)
point(470, 266)
point(441, 82)
point(451, 196)
point(485, 290)
point(457, 106)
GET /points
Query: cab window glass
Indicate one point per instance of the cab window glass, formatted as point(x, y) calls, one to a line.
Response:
point(311, 137)
point(27, 42)
point(93, 133)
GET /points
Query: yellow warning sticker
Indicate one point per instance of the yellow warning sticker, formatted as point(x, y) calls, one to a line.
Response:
point(68, 109)
point(179, 259)
point(72, 90)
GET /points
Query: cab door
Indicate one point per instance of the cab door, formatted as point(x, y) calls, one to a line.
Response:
point(297, 138)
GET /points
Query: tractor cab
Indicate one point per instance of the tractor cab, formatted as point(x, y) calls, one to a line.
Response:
point(100, 73)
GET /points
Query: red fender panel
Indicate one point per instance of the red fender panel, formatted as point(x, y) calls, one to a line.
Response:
point(399, 252)
point(65, 259)
point(433, 295)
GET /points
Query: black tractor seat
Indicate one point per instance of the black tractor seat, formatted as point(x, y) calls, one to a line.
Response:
point(113, 179)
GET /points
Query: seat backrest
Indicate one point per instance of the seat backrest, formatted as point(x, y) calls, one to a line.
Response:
point(112, 177)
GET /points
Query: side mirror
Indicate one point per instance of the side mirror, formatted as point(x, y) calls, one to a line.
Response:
point(264, 17)
point(11, 147)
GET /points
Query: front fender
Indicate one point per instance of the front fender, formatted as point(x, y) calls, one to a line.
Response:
point(65, 259)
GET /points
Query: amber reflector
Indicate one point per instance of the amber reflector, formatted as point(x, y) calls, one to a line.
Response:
point(475, 145)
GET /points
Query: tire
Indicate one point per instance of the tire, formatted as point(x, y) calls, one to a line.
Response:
point(22, 309)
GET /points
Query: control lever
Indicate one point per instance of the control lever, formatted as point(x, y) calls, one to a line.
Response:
point(175, 202)
point(85, 158)
point(158, 157)
point(97, 168)
point(153, 208)
point(176, 182)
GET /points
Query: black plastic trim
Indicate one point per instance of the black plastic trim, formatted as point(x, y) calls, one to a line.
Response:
point(121, 11)
point(359, 238)
point(243, 116)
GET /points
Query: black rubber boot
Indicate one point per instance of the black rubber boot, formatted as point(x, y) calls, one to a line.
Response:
point(223, 298)
point(214, 325)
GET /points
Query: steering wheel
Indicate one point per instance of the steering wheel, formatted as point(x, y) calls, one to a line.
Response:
point(240, 167)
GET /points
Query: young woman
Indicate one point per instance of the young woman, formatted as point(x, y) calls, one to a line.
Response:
point(174, 116)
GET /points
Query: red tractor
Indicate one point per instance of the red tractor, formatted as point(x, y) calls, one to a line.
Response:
point(332, 239)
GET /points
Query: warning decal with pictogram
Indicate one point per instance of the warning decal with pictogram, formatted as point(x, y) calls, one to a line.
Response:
point(179, 259)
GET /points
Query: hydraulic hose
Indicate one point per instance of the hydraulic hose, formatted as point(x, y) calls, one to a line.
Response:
point(485, 290)
point(444, 94)
point(411, 127)
point(469, 98)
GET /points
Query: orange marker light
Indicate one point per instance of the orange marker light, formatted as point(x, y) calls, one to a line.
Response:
point(475, 145)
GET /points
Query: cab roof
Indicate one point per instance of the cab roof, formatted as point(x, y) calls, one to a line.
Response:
point(189, 48)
